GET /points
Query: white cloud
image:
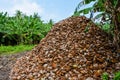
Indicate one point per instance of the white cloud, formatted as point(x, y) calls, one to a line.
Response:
point(29, 7)
point(26, 6)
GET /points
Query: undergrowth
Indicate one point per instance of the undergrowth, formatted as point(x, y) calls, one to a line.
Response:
point(6, 50)
point(105, 76)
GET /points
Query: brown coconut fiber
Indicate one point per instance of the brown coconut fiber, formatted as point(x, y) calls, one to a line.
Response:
point(74, 49)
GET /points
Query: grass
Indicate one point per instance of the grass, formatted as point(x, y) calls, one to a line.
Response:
point(6, 50)
point(105, 76)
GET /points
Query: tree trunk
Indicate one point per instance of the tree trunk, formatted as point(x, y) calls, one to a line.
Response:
point(116, 24)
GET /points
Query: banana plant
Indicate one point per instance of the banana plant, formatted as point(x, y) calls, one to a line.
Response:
point(22, 28)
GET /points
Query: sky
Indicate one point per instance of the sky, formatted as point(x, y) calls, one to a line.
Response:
point(47, 9)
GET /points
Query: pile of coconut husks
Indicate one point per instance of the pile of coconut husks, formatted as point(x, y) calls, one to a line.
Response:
point(74, 49)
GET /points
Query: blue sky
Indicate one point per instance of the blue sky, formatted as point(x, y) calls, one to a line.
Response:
point(47, 9)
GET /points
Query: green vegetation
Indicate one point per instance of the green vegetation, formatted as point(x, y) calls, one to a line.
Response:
point(106, 27)
point(22, 29)
point(117, 76)
point(105, 76)
point(109, 12)
point(6, 50)
point(20, 33)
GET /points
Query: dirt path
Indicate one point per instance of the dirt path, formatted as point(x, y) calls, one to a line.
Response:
point(6, 63)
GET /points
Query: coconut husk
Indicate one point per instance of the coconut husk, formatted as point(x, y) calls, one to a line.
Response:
point(74, 49)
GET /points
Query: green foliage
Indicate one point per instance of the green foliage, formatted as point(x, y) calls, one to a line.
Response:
point(86, 29)
point(77, 12)
point(97, 6)
point(22, 29)
point(88, 1)
point(110, 13)
point(105, 76)
point(117, 76)
point(6, 50)
point(107, 28)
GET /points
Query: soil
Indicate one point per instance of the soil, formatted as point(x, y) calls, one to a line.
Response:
point(6, 64)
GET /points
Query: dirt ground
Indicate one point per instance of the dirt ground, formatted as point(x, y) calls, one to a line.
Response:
point(6, 63)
